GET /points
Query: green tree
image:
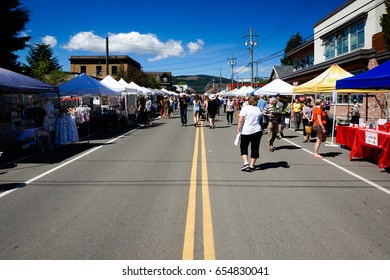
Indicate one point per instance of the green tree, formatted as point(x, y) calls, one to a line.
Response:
point(13, 20)
point(292, 43)
point(121, 73)
point(385, 23)
point(137, 76)
point(41, 61)
point(153, 83)
point(56, 77)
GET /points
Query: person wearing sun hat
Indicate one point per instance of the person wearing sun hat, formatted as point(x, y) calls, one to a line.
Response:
point(212, 107)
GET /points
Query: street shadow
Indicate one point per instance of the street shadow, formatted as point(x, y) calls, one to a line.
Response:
point(7, 166)
point(331, 154)
point(386, 170)
point(286, 147)
point(290, 136)
point(11, 158)
point(11, 186)
point(154, 124)
point(269, 165)
point(61, 153)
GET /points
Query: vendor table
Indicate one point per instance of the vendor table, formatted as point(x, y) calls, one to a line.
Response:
point(345, 135)
point(28, 134)
point(366, 143)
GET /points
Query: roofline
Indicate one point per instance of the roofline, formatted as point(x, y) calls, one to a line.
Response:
point(349, 2)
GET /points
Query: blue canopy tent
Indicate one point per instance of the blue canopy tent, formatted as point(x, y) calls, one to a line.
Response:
point(85, 85)
point(374, 80)
point(14, 82)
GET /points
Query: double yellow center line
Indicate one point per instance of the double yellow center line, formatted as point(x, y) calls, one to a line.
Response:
point(208, 235)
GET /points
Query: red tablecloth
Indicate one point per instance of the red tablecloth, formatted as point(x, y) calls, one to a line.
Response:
point(345, 135)
point(371, 139)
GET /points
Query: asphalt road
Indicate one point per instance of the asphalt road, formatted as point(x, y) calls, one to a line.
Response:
point(173, 192)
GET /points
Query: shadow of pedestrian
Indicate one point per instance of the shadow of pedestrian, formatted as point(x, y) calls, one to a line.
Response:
point(331, 154)
point(268, 165)
point(286, 147)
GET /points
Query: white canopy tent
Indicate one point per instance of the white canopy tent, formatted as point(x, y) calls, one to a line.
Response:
point(231, 93)
point(113, 84)
point(275, 87)
point(129, 89)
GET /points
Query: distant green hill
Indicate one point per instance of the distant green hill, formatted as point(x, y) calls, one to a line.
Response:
point(200, 83)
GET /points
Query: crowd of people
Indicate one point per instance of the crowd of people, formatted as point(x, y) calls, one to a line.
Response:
point(256, 115)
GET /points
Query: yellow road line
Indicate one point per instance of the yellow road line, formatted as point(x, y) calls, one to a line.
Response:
point(208, 235)
point(188, 248)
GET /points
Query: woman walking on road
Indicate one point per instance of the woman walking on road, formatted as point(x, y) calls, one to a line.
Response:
point(212, 107)
point(229, 110)
point(319, 121)
point(196, 103)
point(250, 128)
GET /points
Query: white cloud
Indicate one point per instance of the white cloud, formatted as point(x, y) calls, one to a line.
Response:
point(49, 40)
point(132, 42)
point(241, 69)
point(195, 46)
point(86, 41)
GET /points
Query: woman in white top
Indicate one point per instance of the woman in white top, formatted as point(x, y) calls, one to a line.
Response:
point(229, 111)
point(250, 128)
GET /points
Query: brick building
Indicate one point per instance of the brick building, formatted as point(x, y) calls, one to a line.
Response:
point(95, 66)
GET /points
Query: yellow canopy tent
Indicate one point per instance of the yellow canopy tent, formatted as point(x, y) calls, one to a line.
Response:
point(326, 82)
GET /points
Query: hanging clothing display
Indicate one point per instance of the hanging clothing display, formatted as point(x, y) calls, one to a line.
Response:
point(66, 131)
point(49, 122)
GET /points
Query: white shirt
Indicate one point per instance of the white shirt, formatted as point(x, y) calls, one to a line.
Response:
point(148, 104)
point(252, 115)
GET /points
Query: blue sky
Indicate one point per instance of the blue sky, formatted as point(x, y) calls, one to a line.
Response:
point(182, 37)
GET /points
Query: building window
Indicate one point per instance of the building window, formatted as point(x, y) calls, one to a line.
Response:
point(348, 40)
point(311, 60)
point(165, 80)
point(344, 99)
point(348, 99)
point(98, 70)
point(330, 47)
point(342, 42)
point(83, 69)
point(357, 36)
point(114, 70)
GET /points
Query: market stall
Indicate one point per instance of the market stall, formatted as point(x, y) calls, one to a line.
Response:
point(94, 95)
point(374, 80)
point(22, 110)
point(326, 83)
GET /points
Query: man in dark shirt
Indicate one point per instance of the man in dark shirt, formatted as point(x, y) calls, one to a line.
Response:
point(183, 104)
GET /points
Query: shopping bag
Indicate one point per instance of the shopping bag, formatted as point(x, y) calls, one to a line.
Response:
point(237, 140)
point(308, 129)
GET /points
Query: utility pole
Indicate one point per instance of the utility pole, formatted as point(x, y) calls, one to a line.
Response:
point(251, 43)
point(108, 73)
point(232, 61)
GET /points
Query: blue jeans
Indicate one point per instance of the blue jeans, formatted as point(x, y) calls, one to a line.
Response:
point(183, 115)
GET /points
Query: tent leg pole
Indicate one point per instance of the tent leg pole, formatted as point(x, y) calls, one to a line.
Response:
point(334, 121)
